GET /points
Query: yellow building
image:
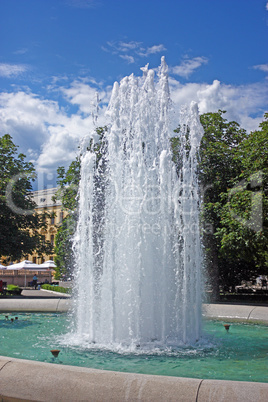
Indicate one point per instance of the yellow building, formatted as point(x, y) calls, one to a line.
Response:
point(44, 201)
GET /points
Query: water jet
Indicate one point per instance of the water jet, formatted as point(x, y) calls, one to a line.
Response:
point(137, 244)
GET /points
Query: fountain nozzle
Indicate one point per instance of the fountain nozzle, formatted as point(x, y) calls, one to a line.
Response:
point(55, 352)
point(227, 326)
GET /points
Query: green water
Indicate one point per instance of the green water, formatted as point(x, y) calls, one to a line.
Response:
point(240, 354)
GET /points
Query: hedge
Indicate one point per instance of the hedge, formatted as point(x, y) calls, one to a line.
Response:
point(55, 288)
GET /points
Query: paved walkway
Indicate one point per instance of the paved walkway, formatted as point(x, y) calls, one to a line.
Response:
point(41, 294)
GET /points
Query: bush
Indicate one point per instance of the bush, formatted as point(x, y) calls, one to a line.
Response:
point(13, 287)
point(56, 288)
point(13, 290)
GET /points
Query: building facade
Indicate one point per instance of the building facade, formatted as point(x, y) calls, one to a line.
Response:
point(45, 203)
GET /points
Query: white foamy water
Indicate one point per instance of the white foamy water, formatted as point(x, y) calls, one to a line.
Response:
point(137, 244)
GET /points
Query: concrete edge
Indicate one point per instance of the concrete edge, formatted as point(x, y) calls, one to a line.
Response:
point(236, 313)
point(67, 295)
point(55, 305)
point(224, 312)
point(36, 381)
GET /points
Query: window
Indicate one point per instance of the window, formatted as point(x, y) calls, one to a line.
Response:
point(53, 220)
point(51, 258)
point(34, 260)
point(52, 240)
point(42, 199)
point(61, 216)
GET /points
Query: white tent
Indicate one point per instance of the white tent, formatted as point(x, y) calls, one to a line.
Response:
point(28, 265)
point(2, 266)
point(48, 264)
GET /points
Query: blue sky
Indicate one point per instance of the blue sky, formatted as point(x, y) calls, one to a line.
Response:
point(55, 55)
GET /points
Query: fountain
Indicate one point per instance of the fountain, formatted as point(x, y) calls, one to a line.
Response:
point(138, 278)
point(137, 244)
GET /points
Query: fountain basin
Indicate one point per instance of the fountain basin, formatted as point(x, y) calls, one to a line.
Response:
point(68, 383)
point(56, 380)
point(239, 354)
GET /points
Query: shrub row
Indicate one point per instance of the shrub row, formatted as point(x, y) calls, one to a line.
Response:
point(56, 288)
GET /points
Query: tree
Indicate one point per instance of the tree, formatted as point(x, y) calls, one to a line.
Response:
point(243, 234)
point(219, 164)
point(64, 258)
point(19, 223)
point(233, 172)
point(68, 182)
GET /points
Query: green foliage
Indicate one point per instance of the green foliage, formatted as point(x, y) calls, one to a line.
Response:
point(233, 174)
point(64, 258)
point(54, 288)
point(99, 147)
point(243, 233)
point(255, 150)
point(13, 287)
point(19, 224)
point(68, 182)
point(219, 159)
point(13, 290)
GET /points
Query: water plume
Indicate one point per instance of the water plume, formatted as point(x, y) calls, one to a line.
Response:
point(137, 244)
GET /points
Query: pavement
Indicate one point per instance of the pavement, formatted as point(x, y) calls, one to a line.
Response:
point(42, 294)
point(30, 293)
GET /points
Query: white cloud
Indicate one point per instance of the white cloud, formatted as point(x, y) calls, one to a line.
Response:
point(133, 48)
point(25, 117)
point(126, 46)
point(11, 70)
point(267, 6)
point(21, 51)
point(262, 67)
point(151, 50)
point(84, 96)
point(50, 134)
point(156, 49)
point(187, 67)
point(47, 133)
point(244, 104)
point(129, 59)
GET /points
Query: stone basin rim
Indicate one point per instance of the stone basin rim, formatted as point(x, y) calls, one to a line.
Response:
point(71, 383)
point(57, 380)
